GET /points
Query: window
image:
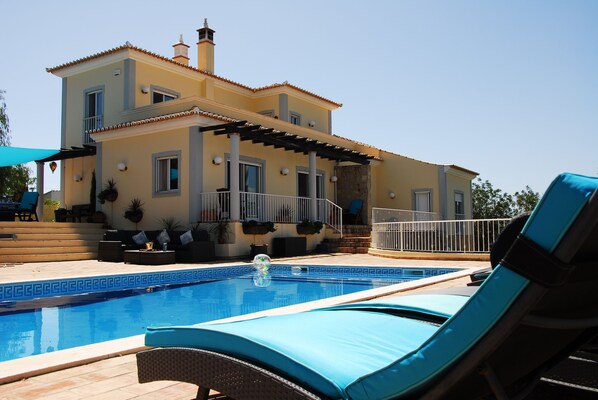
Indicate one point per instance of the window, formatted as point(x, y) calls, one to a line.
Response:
point(295, 119)
point(423, 204)
point(159, 96)
point(267, 113)
point(166, 173)
point(94, 112)
point(459, 206)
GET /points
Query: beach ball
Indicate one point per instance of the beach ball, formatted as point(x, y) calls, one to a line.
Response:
point(261, 262)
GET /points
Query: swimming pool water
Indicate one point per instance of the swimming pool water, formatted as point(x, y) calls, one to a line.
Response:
point(48, 324)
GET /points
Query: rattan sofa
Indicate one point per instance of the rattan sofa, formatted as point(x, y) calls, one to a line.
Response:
point(115, 242)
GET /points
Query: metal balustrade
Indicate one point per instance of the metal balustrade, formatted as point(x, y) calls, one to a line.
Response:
point(90, 124)
point(263, 207)
point(455, 236)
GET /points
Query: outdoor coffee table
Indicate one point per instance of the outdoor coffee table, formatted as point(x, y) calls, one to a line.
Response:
point(149, 257)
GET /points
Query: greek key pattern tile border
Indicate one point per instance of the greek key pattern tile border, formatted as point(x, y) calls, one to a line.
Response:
point(63, 287)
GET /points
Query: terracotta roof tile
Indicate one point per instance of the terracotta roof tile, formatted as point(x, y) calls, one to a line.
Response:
point(129, 46)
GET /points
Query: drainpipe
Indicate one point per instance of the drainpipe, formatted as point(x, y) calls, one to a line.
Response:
point(235, 203)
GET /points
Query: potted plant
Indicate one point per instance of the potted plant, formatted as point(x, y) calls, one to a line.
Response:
point(220, 229)
point(134, 212)
point(109, 193)
point(307, 227)
point(253, 227)
point(285, 214)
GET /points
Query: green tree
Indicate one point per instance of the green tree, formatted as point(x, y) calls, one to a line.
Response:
point(526, 200)
point(489, 202)
point(15, 179)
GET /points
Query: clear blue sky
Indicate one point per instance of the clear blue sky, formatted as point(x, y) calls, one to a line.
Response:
point(508, 89)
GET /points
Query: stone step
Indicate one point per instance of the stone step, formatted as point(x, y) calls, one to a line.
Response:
point(31, 258)
point(51, 242)
point(90, 248)
point(48, 241)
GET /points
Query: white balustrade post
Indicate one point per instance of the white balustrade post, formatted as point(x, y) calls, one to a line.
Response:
point(235, 203)
point(313, 209)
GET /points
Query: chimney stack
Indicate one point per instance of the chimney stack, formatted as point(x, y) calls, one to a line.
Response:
point(205, 48)
point(181, 52)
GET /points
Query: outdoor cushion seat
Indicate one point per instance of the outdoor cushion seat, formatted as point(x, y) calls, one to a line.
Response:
point(28, 207)
point(538, 306)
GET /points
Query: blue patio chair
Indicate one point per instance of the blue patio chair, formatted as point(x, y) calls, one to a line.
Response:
point(352, 215)
point(537, 306)
point(28, 206)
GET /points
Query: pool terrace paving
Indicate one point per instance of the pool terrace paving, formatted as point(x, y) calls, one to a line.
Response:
point(108, 370)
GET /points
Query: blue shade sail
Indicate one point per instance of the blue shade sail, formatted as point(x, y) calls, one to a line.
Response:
point(19, 155)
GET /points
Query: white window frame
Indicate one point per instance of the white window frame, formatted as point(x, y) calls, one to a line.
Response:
point(295, 118)
point(167, 95)
point(161, 187)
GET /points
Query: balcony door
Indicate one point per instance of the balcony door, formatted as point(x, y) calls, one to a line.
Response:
point(250, 185)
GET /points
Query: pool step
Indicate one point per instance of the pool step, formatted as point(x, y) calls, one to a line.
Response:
point(48, 241)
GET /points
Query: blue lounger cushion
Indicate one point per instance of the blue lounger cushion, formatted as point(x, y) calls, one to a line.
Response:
point(371, 355)
point(438, 305)
point(348, 344)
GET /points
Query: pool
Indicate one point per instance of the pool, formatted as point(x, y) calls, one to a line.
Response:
point(45, 316)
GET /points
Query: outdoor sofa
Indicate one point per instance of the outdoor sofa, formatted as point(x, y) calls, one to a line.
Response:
point(539, 305)
point(115, 242)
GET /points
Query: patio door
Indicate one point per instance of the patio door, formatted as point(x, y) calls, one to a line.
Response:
point(303, 192)
point(250, 185)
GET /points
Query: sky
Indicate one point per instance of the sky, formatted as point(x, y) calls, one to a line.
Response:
point(507, 89)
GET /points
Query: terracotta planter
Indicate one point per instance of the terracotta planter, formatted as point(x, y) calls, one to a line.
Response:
point(305, 230)
point(258, 249)
point(255, 230)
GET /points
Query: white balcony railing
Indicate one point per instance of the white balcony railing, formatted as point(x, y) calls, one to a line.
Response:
point(89, 124)
point(456, 236)
point(267, 207)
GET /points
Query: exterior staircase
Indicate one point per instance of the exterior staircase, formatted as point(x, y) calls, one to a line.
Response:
point(356, 240)
point(23, 242)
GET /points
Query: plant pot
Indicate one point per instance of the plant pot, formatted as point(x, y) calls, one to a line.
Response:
point(255, 230)
point(99, 217)
point(135, 217)
point(258, 249)
point(305, 230)
point(111, 196)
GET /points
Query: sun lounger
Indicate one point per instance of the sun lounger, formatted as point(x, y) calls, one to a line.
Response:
point(538, 306)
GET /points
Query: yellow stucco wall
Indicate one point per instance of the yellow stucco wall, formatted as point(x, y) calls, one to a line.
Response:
point(402, 175)
point(137, 181)
point(184, 85)
point(78, 84)
point(308, 113)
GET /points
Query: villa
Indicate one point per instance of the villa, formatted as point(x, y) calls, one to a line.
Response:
point(196, 147)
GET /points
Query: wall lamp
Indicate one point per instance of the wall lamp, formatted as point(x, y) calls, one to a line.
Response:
point(284, 171)
point(392, 195)
point(333, 178)
point(122, 166)
point(145, 89)
point(217, 160)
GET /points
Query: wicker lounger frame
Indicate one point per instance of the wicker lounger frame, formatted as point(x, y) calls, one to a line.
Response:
point(208, 370)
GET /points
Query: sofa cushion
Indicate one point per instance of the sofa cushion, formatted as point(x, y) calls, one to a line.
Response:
point(163, 237)
point(140, 238)
point(186, 238)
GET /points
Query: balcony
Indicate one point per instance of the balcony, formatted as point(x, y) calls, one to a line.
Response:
point(262, 207)
point(90, 124)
